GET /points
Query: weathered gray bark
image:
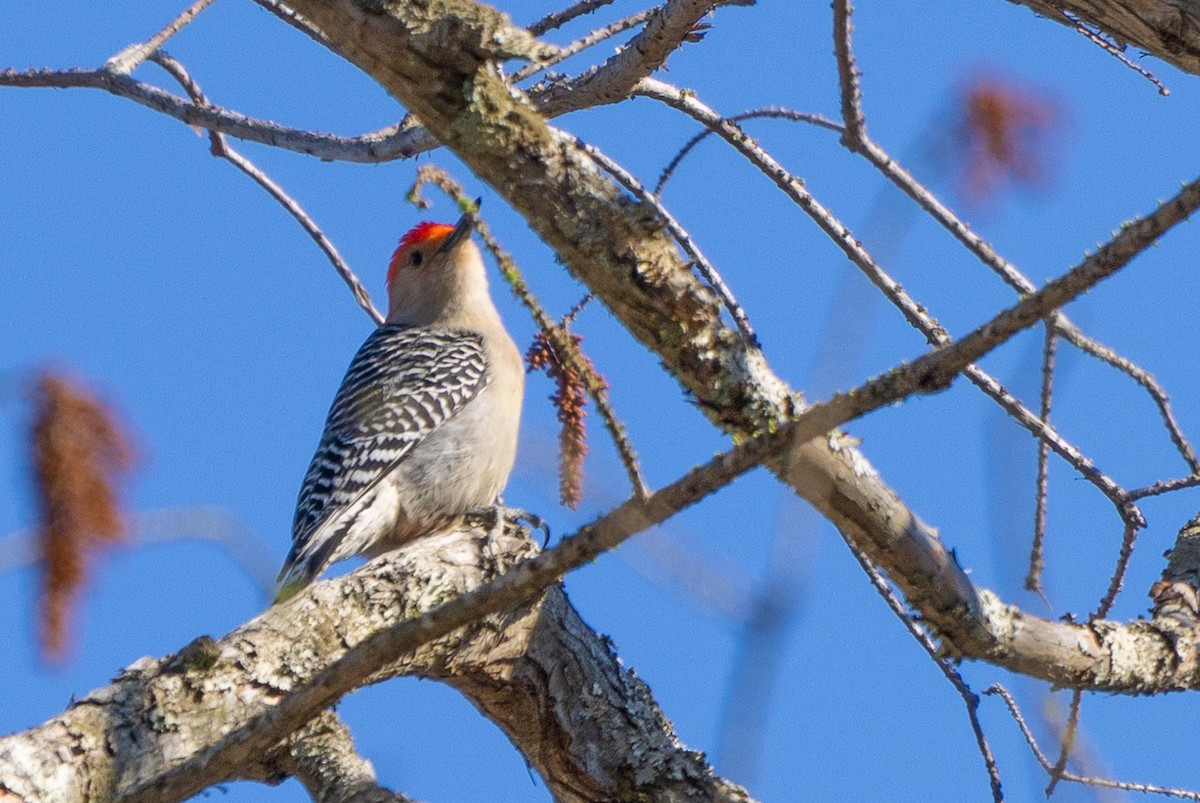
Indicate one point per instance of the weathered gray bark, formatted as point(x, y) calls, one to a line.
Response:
point(587, 725)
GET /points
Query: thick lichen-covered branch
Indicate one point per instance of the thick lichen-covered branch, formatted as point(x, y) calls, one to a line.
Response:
point(163, 729)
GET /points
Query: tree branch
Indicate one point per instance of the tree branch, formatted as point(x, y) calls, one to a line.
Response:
point(321, 756)
point(175, 726)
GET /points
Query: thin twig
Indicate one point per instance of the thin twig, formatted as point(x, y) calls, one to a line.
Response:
point(1143, 377)
point(1037, 556)
point(1114, 51)
point(387, 144)
point(1106, 783)
point(1084, 757)
point(1165, 486)
point(1046, 433)
point(848, 77)
point(128, 59)
point(214, 525)
point(597, 388)
point(294, 19)
point(579, 45)
point(221, 149)
point(557, 19)
point(1066, 741)
point(776, 112)
point(1118, 575)
point(970, 699)
point(703, 266)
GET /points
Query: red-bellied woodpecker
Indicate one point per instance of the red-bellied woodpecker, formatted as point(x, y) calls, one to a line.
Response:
point(424, 426)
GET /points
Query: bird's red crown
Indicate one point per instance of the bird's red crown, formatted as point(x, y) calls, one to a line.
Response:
point(424, 233)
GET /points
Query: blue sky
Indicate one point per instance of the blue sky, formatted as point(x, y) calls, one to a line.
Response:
point(186, 296)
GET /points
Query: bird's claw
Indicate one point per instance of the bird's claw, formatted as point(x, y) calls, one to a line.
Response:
point(496, 515)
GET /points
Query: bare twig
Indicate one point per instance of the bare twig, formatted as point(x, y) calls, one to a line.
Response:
point(1103, 353)
point(1118, 575)
point(775, 112)
point(1106, 783)
point(848, 78)
point(579, 45)
point(1114, 51)
point(380, 146)
point(703, 266)
point(1165, 486)
point(709, 584)
point(128, 59)
point(1066, 741)
point(216, 526)
point(557, 19)
point(1037, 557)
point(970, 699)
point(221, 149)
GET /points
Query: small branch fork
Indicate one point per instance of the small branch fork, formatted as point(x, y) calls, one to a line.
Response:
point(579, 45)
point(221, 149)
point(970, 699)
point(128, 59)
point(1051, 769)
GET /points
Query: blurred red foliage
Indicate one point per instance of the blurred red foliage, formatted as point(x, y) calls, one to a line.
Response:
point(1005, 136)
point(80, 458)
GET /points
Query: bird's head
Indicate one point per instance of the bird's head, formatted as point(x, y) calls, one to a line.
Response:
point(435, 274)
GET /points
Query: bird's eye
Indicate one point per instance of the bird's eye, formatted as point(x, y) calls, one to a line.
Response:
point(414, 258)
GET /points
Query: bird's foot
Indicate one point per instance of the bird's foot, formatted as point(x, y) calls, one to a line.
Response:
point(495, 516)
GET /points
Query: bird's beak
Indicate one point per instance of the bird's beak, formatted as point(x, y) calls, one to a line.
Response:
point(461, 231)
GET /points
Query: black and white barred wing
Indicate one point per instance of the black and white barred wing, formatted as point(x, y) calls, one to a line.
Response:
point(403, 384)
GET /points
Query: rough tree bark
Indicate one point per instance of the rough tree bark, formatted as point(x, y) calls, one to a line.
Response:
point(586, 724)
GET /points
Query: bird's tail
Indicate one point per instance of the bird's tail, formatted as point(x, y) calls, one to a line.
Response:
point(298, 571)
point(308, 558)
